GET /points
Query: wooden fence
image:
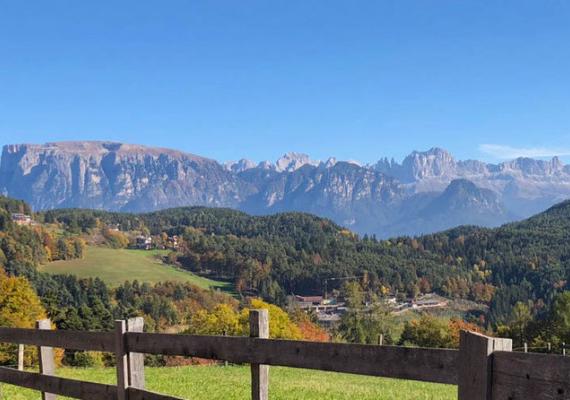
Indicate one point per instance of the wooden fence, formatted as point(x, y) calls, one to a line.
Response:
point(483, 367)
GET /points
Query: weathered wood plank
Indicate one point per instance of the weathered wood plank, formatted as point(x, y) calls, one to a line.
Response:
point(136, 360)
point(259, 328)
point(20, 357)
point(46, 357)
point(139, 394)
point(475, 364)
point(74, 340)
point(520, 376)
point(429, 365)
point(61, 386)
point(121, 360)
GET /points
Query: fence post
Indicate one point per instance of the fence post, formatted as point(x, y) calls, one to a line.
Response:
point(46, 359)
point(259, 328)
point(20, 357)
point(136, 360)
point(122, 360)
point(225, 361)
point(475, 364)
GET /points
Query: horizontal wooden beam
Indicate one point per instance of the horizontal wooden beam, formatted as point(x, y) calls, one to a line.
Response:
point(140, 394)
point(428, 365)
point(56, 385)
point(518, 376)
point(74, 340)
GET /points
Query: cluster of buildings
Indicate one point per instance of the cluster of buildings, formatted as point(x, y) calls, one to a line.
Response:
point(327, 310)
point(146, 242)
point(426, 301)
point(330, 310)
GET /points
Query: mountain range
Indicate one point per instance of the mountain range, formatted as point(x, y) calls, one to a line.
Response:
point(428, 191)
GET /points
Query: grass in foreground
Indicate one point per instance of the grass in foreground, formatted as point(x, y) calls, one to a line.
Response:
point(233, 382)
point(115, 266)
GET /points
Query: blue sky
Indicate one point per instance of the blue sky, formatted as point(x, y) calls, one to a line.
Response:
point(231, 79)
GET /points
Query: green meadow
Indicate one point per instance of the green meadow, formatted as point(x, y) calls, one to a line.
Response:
point(233, 382)
point(115, 266)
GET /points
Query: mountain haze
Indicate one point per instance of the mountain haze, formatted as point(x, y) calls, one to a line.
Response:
point(428, 191)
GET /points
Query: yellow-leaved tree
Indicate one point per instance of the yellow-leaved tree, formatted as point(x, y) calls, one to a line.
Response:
point(222, 320)
point(226, 320)
point(20, 307)
point(280, 325)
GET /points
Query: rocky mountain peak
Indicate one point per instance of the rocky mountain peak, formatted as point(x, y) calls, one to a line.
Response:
point(292, 161)
point(331, 162)
point(428, 191)
point(432, 163)
point(530, 166)
point(239, 166)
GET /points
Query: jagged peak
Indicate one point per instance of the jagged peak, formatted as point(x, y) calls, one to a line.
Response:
point(331, 162)
point(436, 152)
point(239, 166)
point(531, 166)
point(292, 161)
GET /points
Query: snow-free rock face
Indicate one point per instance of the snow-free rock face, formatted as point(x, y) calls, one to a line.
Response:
point(354, 196)
point(239, 166)
point(114, 176)
point(428, 191)
point(433, 163)
point(290, 162)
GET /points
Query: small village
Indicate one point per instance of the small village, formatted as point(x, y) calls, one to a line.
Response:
point(330, 310)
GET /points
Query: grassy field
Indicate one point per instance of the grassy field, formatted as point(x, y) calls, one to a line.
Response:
point(115, 266)
point(229, 383)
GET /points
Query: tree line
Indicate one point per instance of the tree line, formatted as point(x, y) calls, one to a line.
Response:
point(295, 253)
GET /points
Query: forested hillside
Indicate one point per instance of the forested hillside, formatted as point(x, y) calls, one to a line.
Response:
point(27, 294)
point(294, 253)
point(525, 261)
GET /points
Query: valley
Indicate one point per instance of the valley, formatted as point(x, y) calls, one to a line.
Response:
point(85, 268)
point(285, 200)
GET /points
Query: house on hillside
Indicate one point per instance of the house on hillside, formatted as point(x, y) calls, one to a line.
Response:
point(308, 302)
point(327, 311)
point(21, 219)
point(114, 228)
point(143, 242)
point(173, 242)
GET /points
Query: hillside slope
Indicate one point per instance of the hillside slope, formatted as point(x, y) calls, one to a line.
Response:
point(294, 253)
point(115, 266)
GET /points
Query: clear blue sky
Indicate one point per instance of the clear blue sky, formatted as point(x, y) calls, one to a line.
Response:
point(231, 79)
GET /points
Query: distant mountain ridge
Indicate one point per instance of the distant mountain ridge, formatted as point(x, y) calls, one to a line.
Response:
point(427, 191)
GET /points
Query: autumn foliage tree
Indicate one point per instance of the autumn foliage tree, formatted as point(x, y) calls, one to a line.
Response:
point(20, 307)
point(225, 319)
point(428, 331)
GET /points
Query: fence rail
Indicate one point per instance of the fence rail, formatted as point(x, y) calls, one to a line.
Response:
point(483, 368)
point(428, 365)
